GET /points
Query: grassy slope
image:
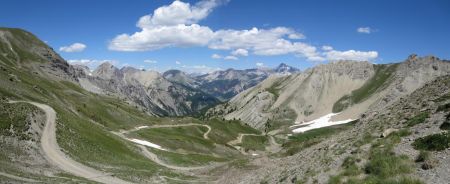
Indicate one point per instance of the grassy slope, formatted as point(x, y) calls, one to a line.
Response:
point(251, 142)
point(297, 142)
point(380, 79)
point(85, 141)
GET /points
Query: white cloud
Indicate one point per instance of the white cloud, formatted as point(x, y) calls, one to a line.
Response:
point(76, 47)
point(365, 30)
point(91, 63)
point(178, 62)
point(163, 36)
point(150, 61)
point(351, 55)
point(169, 26)
point(216, 56)
point(296, 36)
point(178, 13)
point(230, 58)
point(327, 48)
point(259, 64)
point(240, 52)
point(176, 25)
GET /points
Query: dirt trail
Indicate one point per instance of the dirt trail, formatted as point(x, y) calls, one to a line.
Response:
point(18, 178)
point(239, 138)
point(205, 135)
point(55, 156)
point(273, 147)
point(155, 159)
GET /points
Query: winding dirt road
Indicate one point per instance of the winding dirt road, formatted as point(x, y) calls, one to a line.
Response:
point(238, 140)
point(205, 135)
point(55, 156)
point(153, 157)
point(18, 178)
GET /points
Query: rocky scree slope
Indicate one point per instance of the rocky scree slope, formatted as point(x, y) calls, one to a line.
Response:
point(346, 87)
point(147, 89)
point(225, 84)
point(378, 148)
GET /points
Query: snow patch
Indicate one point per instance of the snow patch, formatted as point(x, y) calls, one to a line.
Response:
point(254, 154)
point(146, 143)
point(321, 122)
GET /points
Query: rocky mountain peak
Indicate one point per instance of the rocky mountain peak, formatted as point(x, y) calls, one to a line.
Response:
point(107, 71)
point(283, 68)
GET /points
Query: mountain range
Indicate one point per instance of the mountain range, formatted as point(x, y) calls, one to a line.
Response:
point(337, 122)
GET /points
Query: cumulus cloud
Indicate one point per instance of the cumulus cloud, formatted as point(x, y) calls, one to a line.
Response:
point(178, 62)
point(296, 36)
point(169, 26)
point(163, 36)
point(230, 58)
point(150, 61)
point(259, 64)
point(216, 56)
point(177, 25)
point(76, 47)
point(365, 30)
point(351, 55)
point(178, 13)
point(240, 52)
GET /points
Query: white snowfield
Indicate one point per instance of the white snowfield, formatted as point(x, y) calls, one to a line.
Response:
point(323, 121)
point(146, 143)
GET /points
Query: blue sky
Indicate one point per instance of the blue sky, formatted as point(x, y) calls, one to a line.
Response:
point(201, 36)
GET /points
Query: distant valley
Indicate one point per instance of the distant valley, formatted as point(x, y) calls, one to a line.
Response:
point(338, 122)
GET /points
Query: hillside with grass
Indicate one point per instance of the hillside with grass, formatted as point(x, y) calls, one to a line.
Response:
point(394, 122)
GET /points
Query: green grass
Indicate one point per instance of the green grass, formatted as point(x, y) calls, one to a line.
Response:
point(189, 139)
point(423, 156)
point(299, 141)
point(224, 131)
point(382, 165)
point(434, 142)
point(420, 118)
point(187, 159)
point(445, 125)
point(444, 107)
point(14, 119)
point(254, 142)
point(380, 80)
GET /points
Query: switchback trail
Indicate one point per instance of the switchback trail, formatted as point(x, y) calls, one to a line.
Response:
point(205, 135)
point(153, 157)
point(55, 156)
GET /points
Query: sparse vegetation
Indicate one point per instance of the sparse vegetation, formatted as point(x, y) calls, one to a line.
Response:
point(380, 79)
point(423, 156)
point(299, 141)
point(251, 142)
point(420, 118)
point(434, 142)
point(383, 165)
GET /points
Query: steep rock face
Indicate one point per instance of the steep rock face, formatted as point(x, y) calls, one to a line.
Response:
point(148, 89)
point(346, 87)
point(308, 94)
